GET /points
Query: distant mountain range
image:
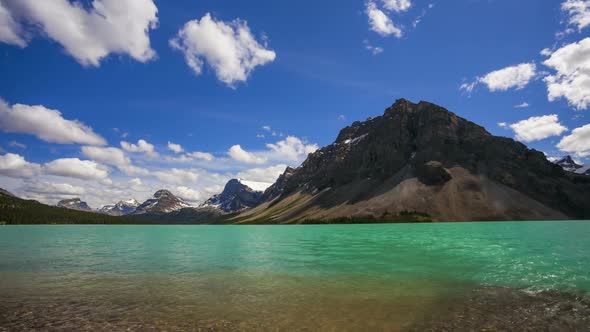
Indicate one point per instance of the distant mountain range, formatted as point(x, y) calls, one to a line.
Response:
point(416, 162)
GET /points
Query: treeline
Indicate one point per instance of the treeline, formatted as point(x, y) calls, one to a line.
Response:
point(15, 211)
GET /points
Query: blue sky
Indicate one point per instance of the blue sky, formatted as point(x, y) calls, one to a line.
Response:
point(304, 69)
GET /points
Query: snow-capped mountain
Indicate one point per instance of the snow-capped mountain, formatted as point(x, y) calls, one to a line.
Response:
point(585, 170)
point(568, 164)
point(163, 201)
point(74, 204)
point(120, 209)
point(236, 196)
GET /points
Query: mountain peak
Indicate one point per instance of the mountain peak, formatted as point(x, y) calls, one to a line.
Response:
point(163, 201)
point(74, 204)
point(236, 196)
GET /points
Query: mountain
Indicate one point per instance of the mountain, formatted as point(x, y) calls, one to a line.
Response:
point(235, 197)
point(122, 208)
point(568, 164)
point(422, 158)
point(163, 201)
point(74, 204)
point(6, 193)
point(584, 170)
point(14, 210)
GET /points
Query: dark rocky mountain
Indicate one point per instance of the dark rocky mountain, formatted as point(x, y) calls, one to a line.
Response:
point(163, 201)
point(122, 208)
point(568, 164)
point(235, 197)
point(188, 215)
point(423, 158)
point(74, 204)
point(278, 187)
point(6, 193)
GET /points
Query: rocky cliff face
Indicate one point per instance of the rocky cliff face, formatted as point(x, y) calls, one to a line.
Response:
point(422, 157)
point(235, 197)
point(74, 204)
point(163, 201)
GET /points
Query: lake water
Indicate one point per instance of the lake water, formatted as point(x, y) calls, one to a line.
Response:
point(324, 277)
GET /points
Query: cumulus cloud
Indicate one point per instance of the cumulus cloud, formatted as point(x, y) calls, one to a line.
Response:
point(188, 194)
point(88, 35)
point(10, 30)
point(44, 187)
point(176, 148)
point(237, 153)
point(397, 5)
point(578, 12)
point(47, 124)
point(537, 128)
point(290, 149)
point(76, 168)
point(229, 48)
point(571, 79)
point(513, 77)
point(142, 146)
point(380, 22)
point(267, 175)
point(578, 142)
point(201, 155)
point(178, 176)
point(14, 165)
point(115, 157)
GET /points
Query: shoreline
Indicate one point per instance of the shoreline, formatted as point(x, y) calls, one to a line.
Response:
point(482, 308)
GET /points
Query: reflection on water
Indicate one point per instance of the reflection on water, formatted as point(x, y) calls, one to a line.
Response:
point(331, 278)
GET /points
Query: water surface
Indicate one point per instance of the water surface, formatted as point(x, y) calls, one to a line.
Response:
point(314, 277)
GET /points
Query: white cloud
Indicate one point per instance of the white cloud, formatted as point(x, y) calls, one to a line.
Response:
point(237, 153)
point(201, 155)
point(16, 144)
point(380, 22)
point(76, 168)
point(43, 187)
point(188, 194)
point(468, 87)
point(397, 5)
point(502, 124)
point(578, 11)
point(290, 149)
point(510, 77)
point(141, 147)
point(267, 175)
point(267, 128)
point(572, 78)
point(578, 142)
point(178, 176)
point(375, 50)
point(89, 35)
point(115, 157)
point(46, 124)
point(10, 30)
point(14, 165)
point(522, 105)
point(176, 148)
point(229, 48)
point(537, 128)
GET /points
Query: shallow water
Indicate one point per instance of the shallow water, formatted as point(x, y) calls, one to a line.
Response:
point(324, 277)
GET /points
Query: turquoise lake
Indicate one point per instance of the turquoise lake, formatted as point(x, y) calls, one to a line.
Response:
point(324, 277)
